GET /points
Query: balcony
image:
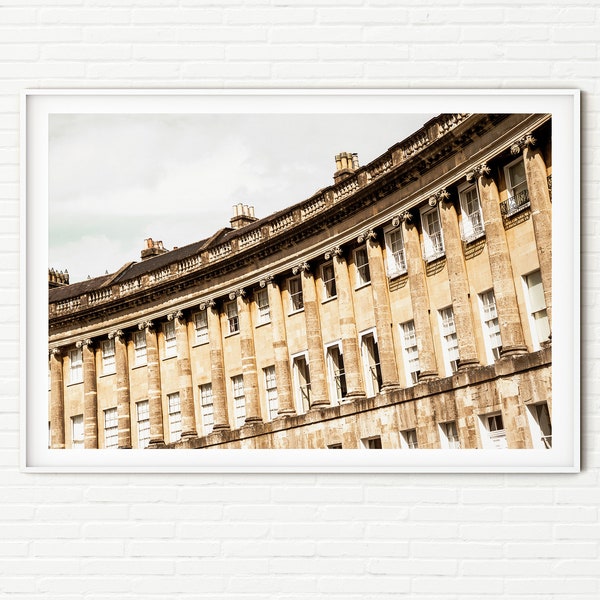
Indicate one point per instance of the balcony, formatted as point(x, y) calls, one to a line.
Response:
point(516, 204)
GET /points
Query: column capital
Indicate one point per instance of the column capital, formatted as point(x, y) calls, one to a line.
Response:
point(241, 293)
point(301, 268)
point(56, 352)
point(209, 303)
point(85, 342)
point(265, 280)
point(146, 325)
point(481, 170)
point(118, 334)
point(526, 141)
point(335, 251)
point(401, 218)
point(369, 234)
point(176, 315)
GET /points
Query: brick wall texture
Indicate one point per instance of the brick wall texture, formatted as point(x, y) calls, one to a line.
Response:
point(425, 537)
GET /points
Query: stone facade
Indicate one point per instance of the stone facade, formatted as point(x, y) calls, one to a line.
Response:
point(406, 306)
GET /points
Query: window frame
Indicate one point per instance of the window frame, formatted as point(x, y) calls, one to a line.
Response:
point(109, 367)
point(412, 376)
point(470, 231)
point(447, 441)
point(394, 266)
point(77, 423)
point(296, 297)
point(140, 359)
point(271, 395)
point(208, 415)
point(493, 352)
point(533, 321)
point(170, 339)
point(239, 400)
point(232, 316)
point(145, 421)
point(363, 270)
point(75, 366)
point(175, 419)
point(302, 400)
point(369, 376)
point(263, 309)
point(495, 439)
point(433, 248)
point(329, 284)
point(409, 439)
point(200, 319)
point(337, 386)
point(448, 350)
point(111, 432)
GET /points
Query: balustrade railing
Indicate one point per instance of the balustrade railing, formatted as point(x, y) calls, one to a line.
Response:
point(515, 204)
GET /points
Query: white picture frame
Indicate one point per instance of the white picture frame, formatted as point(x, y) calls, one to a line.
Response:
point(38, 105)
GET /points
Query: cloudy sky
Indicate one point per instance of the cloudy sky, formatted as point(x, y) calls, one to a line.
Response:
point(117, 179)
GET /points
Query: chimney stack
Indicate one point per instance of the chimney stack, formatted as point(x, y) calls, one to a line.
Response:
point(152, 249)
point(346, 164)
point(242, 215)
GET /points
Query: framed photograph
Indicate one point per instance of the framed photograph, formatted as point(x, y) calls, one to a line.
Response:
point(248, 280)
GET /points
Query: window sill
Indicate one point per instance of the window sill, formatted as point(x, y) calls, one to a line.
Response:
point(139, 366)
point(231, 334)
point(262, 324)
point(326, 300)
point(295, 312)
point(362, 285)
point(74, 383)
point(107, 374)
point(199, 344)
point(169, 357)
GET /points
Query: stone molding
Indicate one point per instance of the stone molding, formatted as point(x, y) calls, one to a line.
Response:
point(241, 293)
point(176, 315)
point(86, 342)
point(335, 251)
point(481, 170)
point(119, 334)
point(265, 280)
point(146, 325)
point(369, 234)
point(205, 304)
point(527, 141)
point(301, 268)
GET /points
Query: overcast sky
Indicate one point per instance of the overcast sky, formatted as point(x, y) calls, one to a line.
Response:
point(116, 179)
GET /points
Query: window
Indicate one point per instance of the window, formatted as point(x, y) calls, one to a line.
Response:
point(271, 389)
point(328, 278)
point(301, 383)
point(472, 220)
point(433, 240)
point(538, 317)
point(262, 307)
point(208, 413)
point(494, 434)
point(410, 352)
point(516, 187)
point(139, 345)
point(372, 443)
point(233, 322)
point(108, 357)
point(337, 376)
point(174, 416)
point(361, 261)
point(540, 425)
point(491, 327)
point(170, 339)
point(76, 366)
point(334, 446)
point(449, 339)
point(239, 400)
point(409, 439)
point(143, 423)
point(111, 428)
point(294, 286)
point(371, 365)
point(77, 431)
point(394, 249)
point(201, 327)
point(449, 436)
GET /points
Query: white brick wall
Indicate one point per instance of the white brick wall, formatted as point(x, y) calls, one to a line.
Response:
point(120, 537)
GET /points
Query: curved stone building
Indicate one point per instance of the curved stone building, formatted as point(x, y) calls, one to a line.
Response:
point(408, 305)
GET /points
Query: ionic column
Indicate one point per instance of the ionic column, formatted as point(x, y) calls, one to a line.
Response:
point(280, 348)
point(316, 361)
point(511, 330)
point(157, 435)
point(541, 211)
point(249, 371)
point(123, 393)
point(383, 312)
point(184, 375)
point(459, 284)
point(353, 372)
point(217, 367)
point(90, 395)
point(57, 400)
point(419, 298)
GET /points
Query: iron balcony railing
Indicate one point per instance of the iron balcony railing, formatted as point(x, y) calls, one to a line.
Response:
point(517, 203)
